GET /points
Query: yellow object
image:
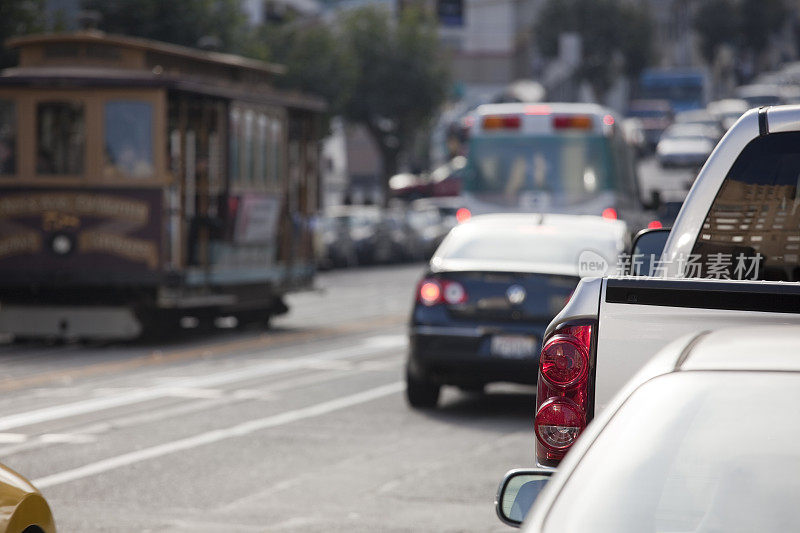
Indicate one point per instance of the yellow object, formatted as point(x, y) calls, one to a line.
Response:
point(22, 506)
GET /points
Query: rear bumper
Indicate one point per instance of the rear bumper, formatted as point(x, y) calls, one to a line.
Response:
point(69, 321)
point(462, 356)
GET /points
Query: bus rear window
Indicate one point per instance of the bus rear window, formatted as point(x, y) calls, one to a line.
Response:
point(8, 138)
point(128, 139)
point(61, 138)
point(575, 166)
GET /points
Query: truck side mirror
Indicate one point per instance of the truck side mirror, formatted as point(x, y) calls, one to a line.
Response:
point(517, 492)
point(648, 245)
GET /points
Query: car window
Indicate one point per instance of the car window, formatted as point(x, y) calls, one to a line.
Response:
point(665, 463)
point(525, 244)
point(752, 230)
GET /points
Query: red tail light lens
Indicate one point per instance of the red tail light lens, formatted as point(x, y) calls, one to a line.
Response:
point(562, 399)
point(575, 122)
point(463, 214)
point(430, 293)
point(454, 293)
point(436, 291)
point(558, 424)
point(501, 122)
point(610, 213)
point(655, 224)
point(564, 361)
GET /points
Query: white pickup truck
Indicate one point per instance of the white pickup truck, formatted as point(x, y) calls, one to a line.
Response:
point(732, 257)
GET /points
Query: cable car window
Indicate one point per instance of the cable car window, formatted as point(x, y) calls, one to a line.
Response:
point(61, 138)
point(247, 167)
point(234, 144)
point(277, 145)
point(261, 149)
point(8, 137)
point(128, 148)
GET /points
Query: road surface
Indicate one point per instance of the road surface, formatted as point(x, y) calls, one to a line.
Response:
point(300, 428)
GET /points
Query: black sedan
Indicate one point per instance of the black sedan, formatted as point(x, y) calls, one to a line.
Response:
point(491, 289)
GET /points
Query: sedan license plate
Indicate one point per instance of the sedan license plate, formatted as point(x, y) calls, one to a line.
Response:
point(517, 346)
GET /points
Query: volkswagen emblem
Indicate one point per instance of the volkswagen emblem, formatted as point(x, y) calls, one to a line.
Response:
point(516, 294)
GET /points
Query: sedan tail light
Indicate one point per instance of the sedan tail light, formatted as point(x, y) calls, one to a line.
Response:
point(562, 399)
point(432, 292)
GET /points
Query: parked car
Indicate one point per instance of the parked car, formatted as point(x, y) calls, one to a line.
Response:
point(655, 116)
point(703, 440)
point(23, 509)
point(725, 263)
point(686, 145)
point(407, 243)
point(445, 180)
point(728, 111)
point(427, 222)
point(489, 291)
point(334, 246)
point(757, 95)
point(408, 186)
point(702, 117)
point(369, 231)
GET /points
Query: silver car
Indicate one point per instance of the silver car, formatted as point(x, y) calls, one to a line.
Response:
point(702, 440)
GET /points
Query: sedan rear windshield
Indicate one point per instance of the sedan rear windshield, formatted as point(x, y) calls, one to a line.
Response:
point(525, 244)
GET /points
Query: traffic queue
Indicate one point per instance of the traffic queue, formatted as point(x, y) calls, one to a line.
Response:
point(566, 293)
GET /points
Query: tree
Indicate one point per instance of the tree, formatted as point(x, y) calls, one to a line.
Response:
point(401, 79)
point(18, 17)
point(759, 20)
point(716, 23)
point(609, 29)
point(181, 22)
point(316, 61)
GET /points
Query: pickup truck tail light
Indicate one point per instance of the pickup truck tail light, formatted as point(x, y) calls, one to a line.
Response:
point(562, 400)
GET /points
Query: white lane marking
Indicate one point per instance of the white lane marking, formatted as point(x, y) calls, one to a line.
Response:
point(207, 381)
point(66, 438)
point(12, 438)
point(265, 393)
point(194, 392)
point(217, 435)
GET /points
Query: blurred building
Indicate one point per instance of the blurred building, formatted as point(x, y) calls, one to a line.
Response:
point(678, 43)
point(489, 40)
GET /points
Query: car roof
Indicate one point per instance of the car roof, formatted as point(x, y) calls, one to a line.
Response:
point(586, 223)
point(759, 348)
point(552, 107)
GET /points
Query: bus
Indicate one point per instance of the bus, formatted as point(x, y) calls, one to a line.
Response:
point(551, 158)
point(141, 182)
point(684, 89)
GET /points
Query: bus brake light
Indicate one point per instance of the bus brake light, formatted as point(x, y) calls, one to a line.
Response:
point(572, 122)
point(501, 122)
point(538, 109)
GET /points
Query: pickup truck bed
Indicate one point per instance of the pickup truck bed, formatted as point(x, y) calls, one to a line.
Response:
point(639, 316)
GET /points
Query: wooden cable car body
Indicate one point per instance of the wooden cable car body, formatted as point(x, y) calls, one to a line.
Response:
point(140, 181)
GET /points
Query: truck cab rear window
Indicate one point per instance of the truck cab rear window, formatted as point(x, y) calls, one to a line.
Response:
point(752, 230)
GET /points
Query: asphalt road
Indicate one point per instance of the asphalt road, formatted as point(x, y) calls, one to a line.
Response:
point(300, 428)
